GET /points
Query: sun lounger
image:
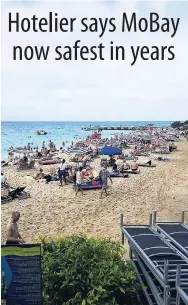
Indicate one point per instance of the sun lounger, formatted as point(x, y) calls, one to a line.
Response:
point(158, 260)
point(130, 158)
point(162, 159)
point(4, 164)
point(142, 154)
point(130, 171)
point(18, 193)
point(118, 175)
point(5, 195)
point(146, 165)
point(22, 165)
point(161, 152)
point(5, 199)
point(31, 164)
point(174, 231)
point(76, 159)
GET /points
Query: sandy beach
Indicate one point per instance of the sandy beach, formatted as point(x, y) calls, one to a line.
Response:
point(54, 210)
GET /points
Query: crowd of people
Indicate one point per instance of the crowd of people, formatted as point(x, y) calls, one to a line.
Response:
point(13, 236)
point(65, 173)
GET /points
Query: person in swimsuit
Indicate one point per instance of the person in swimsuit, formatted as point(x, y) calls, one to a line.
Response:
point(134, 165)
point(125, 166)
point(13, 236)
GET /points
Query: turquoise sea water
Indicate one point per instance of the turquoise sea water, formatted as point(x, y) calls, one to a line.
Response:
point(19, 134)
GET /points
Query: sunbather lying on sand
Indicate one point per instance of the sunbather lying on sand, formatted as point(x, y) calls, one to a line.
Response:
point(50, 178)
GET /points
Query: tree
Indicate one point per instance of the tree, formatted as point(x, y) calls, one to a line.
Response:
point(185, 123)
point(176, 124)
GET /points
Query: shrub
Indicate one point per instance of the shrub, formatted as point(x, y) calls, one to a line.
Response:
point(86, 271)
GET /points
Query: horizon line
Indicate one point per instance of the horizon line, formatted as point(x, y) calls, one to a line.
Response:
point(18, 121)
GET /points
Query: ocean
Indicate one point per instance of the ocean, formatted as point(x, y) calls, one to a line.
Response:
point(19, 134)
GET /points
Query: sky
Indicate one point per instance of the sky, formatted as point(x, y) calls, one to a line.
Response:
point(94, 90)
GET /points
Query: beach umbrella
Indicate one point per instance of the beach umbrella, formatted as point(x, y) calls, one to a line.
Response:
point(76, 150)
point(110, 150)
point(20, 151)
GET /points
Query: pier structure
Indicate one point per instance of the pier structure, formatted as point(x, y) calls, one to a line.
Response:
point(101, 128)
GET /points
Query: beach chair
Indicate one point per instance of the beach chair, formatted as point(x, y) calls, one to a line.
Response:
point(31, 164)
point(5, 195)
point(18, 193)
point(22, 165)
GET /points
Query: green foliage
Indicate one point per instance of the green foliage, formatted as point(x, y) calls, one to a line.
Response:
point(176, 124)
point(179, 124)
point(87, 271)
point(185, 125)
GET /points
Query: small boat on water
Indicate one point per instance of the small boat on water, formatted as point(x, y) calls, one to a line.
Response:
point(41, 132)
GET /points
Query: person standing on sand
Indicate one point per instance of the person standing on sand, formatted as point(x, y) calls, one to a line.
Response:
point(62, 173)
point(13, 236)
point(79, 181)
point(51, 144)
point(104, 175)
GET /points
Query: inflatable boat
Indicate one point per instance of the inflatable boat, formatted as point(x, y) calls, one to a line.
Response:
point(92, 185)
point(41, 132)
point(47, 162)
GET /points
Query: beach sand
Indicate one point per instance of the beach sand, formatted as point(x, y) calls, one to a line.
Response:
point(54, 210)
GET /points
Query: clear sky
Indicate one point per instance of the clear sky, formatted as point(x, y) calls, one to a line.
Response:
point(95, 90)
